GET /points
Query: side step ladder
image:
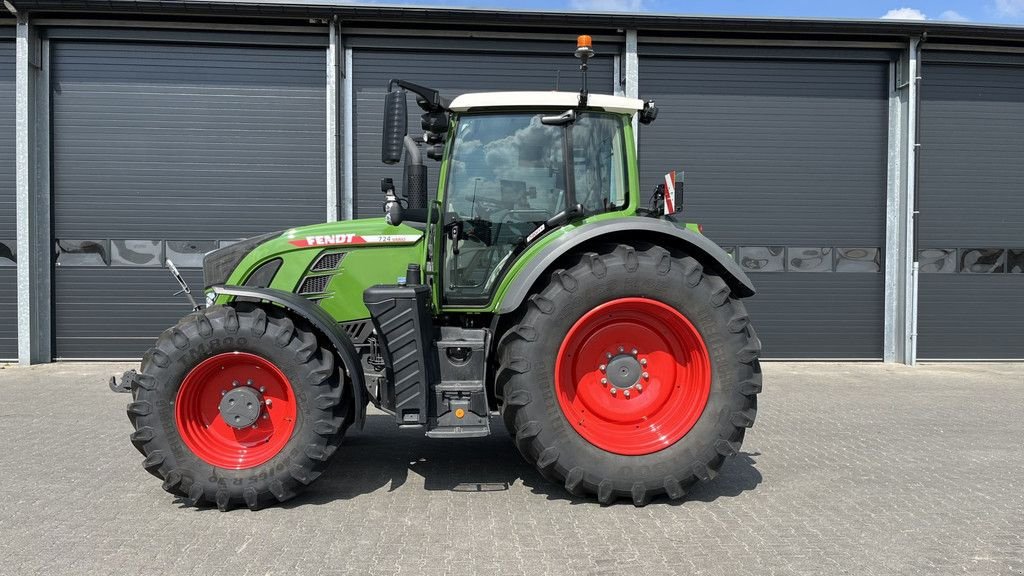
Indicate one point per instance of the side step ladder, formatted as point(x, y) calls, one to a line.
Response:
point(459, 402)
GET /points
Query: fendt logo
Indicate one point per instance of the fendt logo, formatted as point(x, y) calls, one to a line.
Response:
point(344, 239)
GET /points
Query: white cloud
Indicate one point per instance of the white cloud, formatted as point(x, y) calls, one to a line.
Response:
point(607, 5)
point(1009, 8)
point(905, 14)
point(953, 16)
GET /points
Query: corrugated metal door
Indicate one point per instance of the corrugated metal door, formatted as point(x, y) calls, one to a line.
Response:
point(8, 269)
point(168, 150)
point(971, 224)
point(785, 159)
point(453, 66)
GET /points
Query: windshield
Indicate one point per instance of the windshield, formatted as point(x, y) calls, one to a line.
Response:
point(507, 177)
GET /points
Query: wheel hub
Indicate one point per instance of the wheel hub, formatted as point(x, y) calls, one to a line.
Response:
point(241, 407)
point(624, 371)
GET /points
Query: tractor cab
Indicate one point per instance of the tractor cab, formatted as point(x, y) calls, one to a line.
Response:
point(515, 167)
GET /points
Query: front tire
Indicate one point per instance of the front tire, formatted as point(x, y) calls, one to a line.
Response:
point(238, 406)
point(632, 374)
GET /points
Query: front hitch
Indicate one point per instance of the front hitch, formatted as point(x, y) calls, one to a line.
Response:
point(125, 385)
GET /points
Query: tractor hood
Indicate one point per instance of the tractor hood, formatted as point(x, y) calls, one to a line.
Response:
point(236, 263)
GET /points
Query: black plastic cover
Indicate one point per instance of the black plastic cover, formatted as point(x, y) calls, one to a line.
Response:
point(401, 317)
point(416, 186)
point(219, 264)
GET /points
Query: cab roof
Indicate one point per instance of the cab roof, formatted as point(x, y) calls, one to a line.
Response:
point(484, 100)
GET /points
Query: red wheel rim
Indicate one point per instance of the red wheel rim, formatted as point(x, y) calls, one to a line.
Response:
point(599, 358)
point(198, 417)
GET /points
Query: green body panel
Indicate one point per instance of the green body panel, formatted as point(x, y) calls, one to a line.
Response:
point(384, 261)
point(377, 261)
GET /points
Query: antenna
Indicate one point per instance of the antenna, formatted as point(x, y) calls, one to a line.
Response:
point(584, 52)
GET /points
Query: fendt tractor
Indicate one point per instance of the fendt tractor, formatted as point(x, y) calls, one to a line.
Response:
point(537, 283)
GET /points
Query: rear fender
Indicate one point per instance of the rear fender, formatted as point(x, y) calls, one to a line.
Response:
point(323, 322)
point(656, 231)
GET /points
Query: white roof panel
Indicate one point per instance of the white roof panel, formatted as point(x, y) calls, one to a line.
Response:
point(482, 100)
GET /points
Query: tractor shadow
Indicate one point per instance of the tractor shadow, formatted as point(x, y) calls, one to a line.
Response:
point(381, 457)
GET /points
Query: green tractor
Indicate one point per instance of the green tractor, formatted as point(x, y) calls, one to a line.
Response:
point(535, 284)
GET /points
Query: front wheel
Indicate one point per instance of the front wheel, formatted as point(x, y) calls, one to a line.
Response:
point(631, 374)
point(238, 406)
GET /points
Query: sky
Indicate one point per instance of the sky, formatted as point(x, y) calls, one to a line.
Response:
point(1009, 12)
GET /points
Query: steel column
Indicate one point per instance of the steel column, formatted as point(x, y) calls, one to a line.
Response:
point(900, 279)
point(632, 65)
point(348, 150)
point(32, 159)
point(332, 123)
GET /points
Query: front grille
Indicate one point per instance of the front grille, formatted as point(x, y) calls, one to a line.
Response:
point(328, 262)
point(314, 285)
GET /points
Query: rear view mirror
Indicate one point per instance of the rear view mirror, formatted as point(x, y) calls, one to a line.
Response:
point(395, 126)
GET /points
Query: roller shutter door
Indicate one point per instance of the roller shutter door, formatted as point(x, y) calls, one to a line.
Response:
point(171, 149)
point(971, 224)
point(8, 269)
point(453, 66)
point(785, 160)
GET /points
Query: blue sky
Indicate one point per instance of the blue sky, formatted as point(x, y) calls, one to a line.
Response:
point(985, 11)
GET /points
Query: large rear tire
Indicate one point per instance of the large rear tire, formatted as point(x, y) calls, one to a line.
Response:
point(632, 374)
point(238, 405)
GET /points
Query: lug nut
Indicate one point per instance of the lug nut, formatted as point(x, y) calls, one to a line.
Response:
point(621, 349)
point(639, 387)
point(262, 389)
point(646, 375)
point(626, 393)
point(248, 382)
point(613, 391)
point(633, 352)
point(234, 384)
point(255, 426)
point(223, 392)
point(602, 367)
point(643, 362)
point(268, 402)
point(609, 355)
point(265, 416)
point(604, 381)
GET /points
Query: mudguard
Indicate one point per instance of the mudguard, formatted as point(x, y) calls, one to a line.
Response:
point(658, 231)
point(320, 319)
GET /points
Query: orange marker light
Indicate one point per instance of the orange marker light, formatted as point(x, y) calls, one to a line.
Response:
point(459, 412)
point(584, 41)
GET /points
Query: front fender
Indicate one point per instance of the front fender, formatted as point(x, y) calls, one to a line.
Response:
point(322, 321)
point(661, 232)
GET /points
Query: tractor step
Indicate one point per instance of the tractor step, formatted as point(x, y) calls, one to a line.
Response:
point(459, 401)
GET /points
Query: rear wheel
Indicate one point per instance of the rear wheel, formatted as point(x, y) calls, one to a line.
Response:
point(238, 406)
point(632, 374)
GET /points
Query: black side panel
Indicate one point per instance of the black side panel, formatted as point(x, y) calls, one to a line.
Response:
point(8, 271)
point(971, 303)
point(171, 150)
point(401, 317)
point(785, 158)
point(453, 66)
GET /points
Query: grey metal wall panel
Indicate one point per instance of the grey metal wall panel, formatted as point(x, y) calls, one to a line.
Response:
point(173, 142)
point(970, 317)
point(115, 313)
point(463, 66)
point(8, 273)
point(817, 315)
point(781, 152)
point(972, 119)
